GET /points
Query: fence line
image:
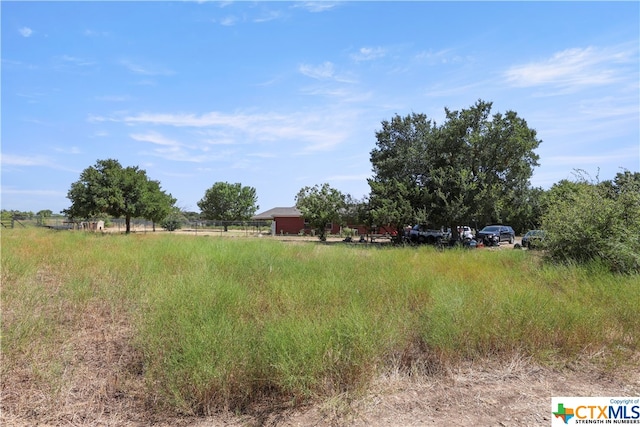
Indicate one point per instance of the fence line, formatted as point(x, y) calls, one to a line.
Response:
point(139, 225)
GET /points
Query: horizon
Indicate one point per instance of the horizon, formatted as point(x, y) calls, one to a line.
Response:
point(283, 95)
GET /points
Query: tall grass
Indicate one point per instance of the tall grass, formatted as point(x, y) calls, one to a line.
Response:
point(223, 323)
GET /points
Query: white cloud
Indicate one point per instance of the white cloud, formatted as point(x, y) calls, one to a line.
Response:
point(369, 53)
point(68, 150)
point(76, 61)
point(268, 16)
point(317, 6)
point(25, 31)
point(572, 68)
point(322, 72)
point(308, 132)
point(33, 192)
point(156, 138)
point(599, 159)
point(228, 21)
point(13, 160)
point(114, 98)
point(146, 69)
point(444, 56)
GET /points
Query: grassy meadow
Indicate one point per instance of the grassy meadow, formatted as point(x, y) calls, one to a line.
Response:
point(211, 323)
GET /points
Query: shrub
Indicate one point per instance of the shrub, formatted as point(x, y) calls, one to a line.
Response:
point(171, 224)
point(594, 222)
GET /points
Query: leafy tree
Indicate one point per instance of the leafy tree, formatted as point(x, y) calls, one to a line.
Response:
point(356, 211)
point(390, 204)
point(109, 189)
point(43, 215)
point(229, 202)
point(397, 187)
point(157, 204)
point(320, 206)
point(586, 221)
point(191, 216)
point(474, 166)
point(526, 209)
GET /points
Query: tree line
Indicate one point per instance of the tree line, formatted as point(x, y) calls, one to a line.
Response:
point(472, 169)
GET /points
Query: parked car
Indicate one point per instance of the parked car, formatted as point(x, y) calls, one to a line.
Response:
point(465, 233)
point(532, 239)
point(421, 234)
point(494, 234)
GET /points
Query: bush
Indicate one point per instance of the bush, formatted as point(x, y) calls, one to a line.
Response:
point(591, 222)
point(171, 224)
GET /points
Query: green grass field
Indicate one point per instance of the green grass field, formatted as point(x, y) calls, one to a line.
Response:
point(215, 323)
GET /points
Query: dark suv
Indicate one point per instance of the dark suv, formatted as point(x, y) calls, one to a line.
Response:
point(494, 234)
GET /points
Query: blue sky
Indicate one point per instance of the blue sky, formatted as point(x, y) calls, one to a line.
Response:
point(283, 95)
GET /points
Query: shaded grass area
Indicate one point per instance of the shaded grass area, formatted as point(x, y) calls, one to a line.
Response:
point(214, 323)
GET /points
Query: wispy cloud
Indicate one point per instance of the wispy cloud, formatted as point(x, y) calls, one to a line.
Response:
point(228, 21)
point(326, 72)
point(14, 160)
point(271, 15)
point(93, 33)
point(114, 98)
point(72, 60)
point(146, 69)
point(68, 150)
point(444, 56)
point(25, 31)
point(6, 190)
point(369, 54)
point(572, 69)
point(9, 160)
point(596, 159)
point(322, 72)
point(156, 138)
point(310, 132)
point(317, 6)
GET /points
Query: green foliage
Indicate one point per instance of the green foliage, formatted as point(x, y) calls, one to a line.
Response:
point(586, 221)
point(19, 215)
point(525, 211)
point(320, 206)
point(109, 189)
point(472, 168)
point(174, 220)
point(229, 202)
point(157, 204)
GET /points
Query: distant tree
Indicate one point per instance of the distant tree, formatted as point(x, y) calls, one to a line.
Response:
point(157, 204)
point(355, 211)
point(191, 216)
point(109, 189)
point(43, 215)
point(525, 211)
point(229, 202)
point(320, 206)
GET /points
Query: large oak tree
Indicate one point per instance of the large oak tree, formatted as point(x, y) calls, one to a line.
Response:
point(109, 189)
point(470, 169)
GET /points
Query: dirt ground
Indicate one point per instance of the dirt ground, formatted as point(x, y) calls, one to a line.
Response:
point(509, 393)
